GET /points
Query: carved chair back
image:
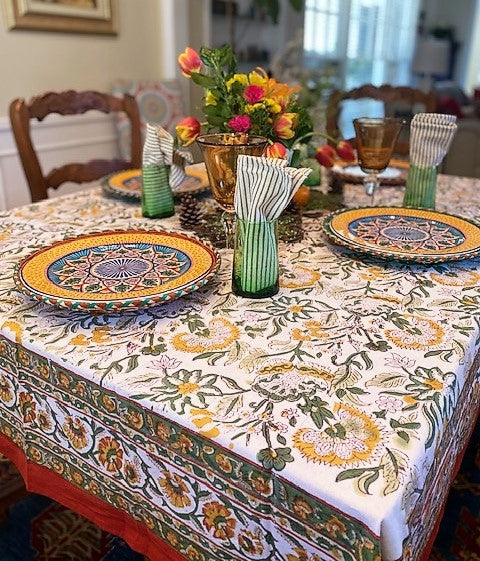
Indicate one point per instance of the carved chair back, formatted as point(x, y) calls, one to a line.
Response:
point(399, 101)
point(70, 103)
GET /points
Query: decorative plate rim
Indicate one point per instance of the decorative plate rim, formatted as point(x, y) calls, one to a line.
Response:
point(353, 178)
point(136, 196)
point(130, 303)
point(380, 253)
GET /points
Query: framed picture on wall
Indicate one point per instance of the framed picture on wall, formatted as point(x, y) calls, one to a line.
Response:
point(68, 16)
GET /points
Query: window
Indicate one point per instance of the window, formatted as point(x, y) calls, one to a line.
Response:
point(368, 41)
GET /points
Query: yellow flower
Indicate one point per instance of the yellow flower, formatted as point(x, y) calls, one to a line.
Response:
point(185, 388)
point(210, 99)
point(217, 517)
point(272, 105)
point(237, 78)
point(75, 431)
point(220, 334)
point(175, 489)
point(110, 454)
point(257, 79)
point(421, 333)
point(357, 438)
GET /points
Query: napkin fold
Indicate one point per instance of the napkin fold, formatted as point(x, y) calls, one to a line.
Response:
point(265, 186)
point(157, 197)
point(158, 150)
point(430, 137)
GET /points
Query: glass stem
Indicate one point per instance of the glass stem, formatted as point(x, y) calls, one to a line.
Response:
point(228, 219)
point(370, 183)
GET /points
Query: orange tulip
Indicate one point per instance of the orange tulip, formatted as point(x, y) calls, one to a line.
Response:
point(189, 61)
point(284, 125)
point(187, 130)
point(276, 150)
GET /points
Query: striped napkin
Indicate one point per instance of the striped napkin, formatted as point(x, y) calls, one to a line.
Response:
point(264, 187)
point(158, 150)
point(157, 197)
point(430, 137)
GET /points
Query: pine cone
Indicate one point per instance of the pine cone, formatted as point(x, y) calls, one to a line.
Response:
point(190, 215)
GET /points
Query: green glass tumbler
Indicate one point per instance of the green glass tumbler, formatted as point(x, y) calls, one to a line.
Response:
point(421, 187)
point(157, 196)
point(255, 259)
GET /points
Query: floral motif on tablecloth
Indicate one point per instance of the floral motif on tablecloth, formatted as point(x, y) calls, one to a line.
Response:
point(352, 371)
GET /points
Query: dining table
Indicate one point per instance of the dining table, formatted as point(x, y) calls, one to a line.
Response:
point(323, 423)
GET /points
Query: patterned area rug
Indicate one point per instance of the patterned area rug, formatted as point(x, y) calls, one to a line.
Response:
point(39, 529)
point(458, 538)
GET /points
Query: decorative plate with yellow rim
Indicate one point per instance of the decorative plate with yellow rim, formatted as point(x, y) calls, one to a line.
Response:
point(128, 184)
point(404, 234)
point(117, 270)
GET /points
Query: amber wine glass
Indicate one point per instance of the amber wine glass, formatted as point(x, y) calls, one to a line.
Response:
point(220, 152)
point(376, 139)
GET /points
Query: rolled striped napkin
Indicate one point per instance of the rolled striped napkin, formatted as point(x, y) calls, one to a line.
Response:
point(264, 187)
point(431, 135)
point(157, 197)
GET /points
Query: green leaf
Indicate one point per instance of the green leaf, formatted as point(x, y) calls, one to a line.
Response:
point(296, 4)
point(350, 474)
point(206, 82)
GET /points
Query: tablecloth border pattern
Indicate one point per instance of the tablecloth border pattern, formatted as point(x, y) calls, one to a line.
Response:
point(302, 517)
point(110, 520)
point(445, 466)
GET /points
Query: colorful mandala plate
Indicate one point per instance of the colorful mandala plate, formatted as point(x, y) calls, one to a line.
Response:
point(404, 234)
point(117, 270)
point(128, 184)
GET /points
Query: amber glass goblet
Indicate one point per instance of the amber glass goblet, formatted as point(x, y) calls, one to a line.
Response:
point(376, 139)
point(220, 152)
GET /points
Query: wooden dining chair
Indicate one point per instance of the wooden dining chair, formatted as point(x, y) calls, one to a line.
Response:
point(398, 101)
point(70, 103)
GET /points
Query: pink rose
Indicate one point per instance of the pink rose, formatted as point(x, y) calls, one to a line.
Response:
point(253, 94)
point(240, 123)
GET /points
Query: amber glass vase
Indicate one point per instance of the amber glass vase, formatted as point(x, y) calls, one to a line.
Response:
point(220, 152)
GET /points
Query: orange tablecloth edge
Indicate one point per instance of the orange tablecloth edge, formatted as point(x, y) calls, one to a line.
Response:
point(41, 480)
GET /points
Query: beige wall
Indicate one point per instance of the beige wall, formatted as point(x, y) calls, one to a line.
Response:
point(35, 62)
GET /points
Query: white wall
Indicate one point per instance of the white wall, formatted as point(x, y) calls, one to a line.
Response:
point(32, 62)
point(151, 33)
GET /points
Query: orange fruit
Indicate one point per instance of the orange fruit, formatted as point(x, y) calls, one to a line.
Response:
point(302, 195)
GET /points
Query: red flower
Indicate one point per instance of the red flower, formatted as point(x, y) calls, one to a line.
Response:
point(189, 61)
point(240, 123)
point(325, 155)
point(276, 150)
point(187, 130)
point(345, 151)
point(253, 94)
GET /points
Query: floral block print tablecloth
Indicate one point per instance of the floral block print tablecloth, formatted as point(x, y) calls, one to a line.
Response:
point(320, 424)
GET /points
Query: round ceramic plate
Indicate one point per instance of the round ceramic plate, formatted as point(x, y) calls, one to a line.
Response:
point(117, 270)
point(395, 174)
point(404, 234)
point(128, 184)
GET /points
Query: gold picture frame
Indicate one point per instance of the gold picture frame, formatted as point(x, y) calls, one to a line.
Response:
point(68, 16)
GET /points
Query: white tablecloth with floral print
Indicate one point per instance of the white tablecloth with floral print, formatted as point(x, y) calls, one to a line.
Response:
point(320, 424)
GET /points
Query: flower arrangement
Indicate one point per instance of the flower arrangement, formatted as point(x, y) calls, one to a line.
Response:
point(254, 103)
point(242, 103)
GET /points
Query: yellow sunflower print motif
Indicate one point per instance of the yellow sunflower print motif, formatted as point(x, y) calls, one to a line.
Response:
point(219, 335)
point(419, 333)
point(354, 438)
point(299, 277)
point(175, 489)
point(458, 278)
